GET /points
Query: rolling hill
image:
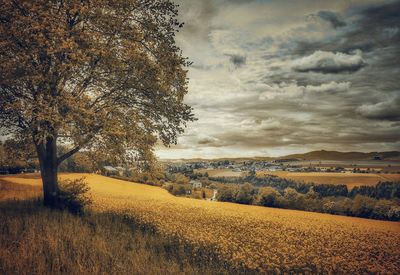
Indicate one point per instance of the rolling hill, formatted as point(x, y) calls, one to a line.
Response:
point(335, 155)
point(254, 238)
point(313, 155)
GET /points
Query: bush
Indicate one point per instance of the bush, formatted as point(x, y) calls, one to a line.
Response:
point(394, 213)
point(363, 206)
point(245, 194)
point(268, 196)
point(227, 194)
point(179, 189)
point(295, 200)
point(73, 195)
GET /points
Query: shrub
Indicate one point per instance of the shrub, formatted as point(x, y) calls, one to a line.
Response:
point(363, 206)
point(245, 194)
point(268, 196)
point(227, 194)
point(394, 213)
point(73, 195)
point(179, 189)
point(182, 179)
point(294, 198)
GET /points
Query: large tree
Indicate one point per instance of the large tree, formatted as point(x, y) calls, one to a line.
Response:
point(102, 75)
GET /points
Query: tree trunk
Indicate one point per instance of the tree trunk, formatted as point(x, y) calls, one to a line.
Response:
point(47, 153)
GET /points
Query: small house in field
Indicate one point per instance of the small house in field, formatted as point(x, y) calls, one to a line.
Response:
point(109, 171)
point(195, 184)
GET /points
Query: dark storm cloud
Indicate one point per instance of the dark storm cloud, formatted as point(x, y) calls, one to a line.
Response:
point(237, 60)
point(386, 110)
point(374, 27)
point(332, 18)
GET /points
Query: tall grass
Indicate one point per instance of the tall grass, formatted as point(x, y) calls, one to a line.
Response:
point(37, 240)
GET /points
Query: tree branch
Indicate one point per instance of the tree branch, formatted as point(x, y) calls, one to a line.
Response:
point(78, 147)
point(68, 154)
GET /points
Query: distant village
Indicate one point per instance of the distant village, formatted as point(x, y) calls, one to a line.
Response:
point(290, 165)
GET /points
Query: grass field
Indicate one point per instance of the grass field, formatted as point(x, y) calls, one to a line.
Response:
point(220, 172)
point(250, 237)
point(350, 179)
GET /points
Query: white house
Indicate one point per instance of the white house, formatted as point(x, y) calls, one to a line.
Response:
point(195, 184)
point(110, 171)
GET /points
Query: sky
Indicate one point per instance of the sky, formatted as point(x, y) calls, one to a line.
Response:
point(271, 78)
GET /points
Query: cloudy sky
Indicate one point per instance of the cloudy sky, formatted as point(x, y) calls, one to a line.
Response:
point(277, 77)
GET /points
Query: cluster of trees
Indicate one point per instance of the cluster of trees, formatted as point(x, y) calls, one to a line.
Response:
point(179, 189)
point(17, 156)
point(178, 184)
point(383, 190)
point(359, 205)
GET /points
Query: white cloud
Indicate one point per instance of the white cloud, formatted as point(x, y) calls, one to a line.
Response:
point(332, 86)
point(292, 90)
point(329, 62)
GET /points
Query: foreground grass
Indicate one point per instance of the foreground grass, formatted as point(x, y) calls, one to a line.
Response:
point(36, 240)
point(210, 237)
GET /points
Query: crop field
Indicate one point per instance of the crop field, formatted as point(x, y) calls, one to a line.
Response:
point(220, 172)
point(251, 237)
point(350, 179)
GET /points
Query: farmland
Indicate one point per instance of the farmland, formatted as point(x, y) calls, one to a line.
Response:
point(220, 172)
point(350, 179)
point(251, 237)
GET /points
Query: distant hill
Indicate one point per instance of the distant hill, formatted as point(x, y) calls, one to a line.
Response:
point(335, 155)
point(313, 155)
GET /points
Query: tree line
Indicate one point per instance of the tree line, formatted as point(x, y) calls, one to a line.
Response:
point(289, 198)
point(381, 201)
point(382, 190)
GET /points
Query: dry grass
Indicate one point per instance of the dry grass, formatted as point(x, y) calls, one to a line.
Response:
point(37, 240)
point(250, 237)
point(350, 179)
point(12, 191)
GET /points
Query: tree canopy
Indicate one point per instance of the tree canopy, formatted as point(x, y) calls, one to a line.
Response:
point(104, 75)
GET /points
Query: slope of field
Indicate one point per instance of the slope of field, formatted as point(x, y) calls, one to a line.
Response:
point(258, 238)
point(350, 179)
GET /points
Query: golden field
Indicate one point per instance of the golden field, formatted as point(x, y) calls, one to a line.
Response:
point(220, 172)
point(251, 237)
point(349, 179)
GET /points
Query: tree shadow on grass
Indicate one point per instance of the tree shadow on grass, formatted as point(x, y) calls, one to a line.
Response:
point(112, 242)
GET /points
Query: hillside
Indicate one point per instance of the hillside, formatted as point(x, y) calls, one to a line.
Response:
point(335, 155)
point(251, 237)
point(313, 155)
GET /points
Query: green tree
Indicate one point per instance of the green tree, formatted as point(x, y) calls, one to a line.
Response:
point(227, 193)
point(268, 196)
point(246, 194)
point(363, 206)
point(104, 75)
